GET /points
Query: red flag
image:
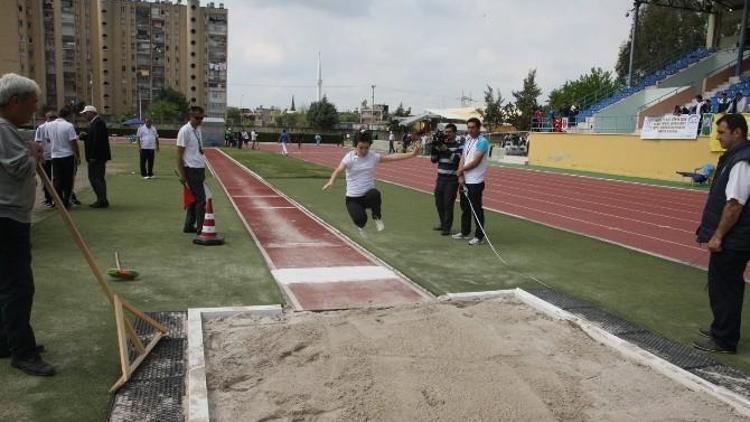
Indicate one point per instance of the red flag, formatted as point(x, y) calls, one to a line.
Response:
point(187, 196)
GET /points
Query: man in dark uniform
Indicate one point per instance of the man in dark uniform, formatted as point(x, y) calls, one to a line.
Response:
point(725, 227)
point(446, 152)
point(97, 155)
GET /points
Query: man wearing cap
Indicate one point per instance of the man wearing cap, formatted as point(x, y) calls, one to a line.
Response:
point(192, 168)
point(97, 155)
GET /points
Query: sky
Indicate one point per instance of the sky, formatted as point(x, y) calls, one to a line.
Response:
point(422, 53)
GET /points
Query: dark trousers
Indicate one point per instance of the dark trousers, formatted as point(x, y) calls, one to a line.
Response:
point(391, 148)
point(63, 175)
point(356, 206)
point(475, 197)
point(147, 162)
point(16, 289)
point(726, 291)
point(195, 213)
point(97, 169)
point(47, 166)
point(446, 189)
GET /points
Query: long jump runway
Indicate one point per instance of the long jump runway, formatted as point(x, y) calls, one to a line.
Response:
point(315, 267)
point(657, 220)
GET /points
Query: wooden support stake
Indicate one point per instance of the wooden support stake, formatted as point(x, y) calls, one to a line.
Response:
point(125, 328)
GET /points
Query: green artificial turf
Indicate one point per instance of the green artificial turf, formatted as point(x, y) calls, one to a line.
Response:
point(72, 318)
point(663, 296)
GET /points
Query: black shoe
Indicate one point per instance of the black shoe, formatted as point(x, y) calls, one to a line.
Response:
point(705, 332)
point(75, 201)
point(5, 353)
point(448, 233)
point(437, 228)
point(188, 229)
point(34, 366)
point(98, 204)
point(48, 204)
point(710, 345)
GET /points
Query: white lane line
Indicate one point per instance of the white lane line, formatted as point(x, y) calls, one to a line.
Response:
point(332, 274)
point(256, 196)
point(271, 208)
point(304, 245)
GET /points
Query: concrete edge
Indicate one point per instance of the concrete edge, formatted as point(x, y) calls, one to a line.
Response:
point(196, 388)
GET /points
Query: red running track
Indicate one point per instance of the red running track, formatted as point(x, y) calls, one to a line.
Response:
point(316, 268)
point(657, 220)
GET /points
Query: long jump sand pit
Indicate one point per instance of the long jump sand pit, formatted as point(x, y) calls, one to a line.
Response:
point(490, 360)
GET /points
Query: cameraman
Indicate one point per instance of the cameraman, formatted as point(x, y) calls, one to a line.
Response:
point(446, 151)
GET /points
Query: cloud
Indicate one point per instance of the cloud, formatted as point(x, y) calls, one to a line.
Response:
point(423, 53)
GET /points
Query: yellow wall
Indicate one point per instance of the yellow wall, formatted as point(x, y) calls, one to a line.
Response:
point(625, 155)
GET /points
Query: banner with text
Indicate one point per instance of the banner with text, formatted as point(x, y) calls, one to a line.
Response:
point(671, 127)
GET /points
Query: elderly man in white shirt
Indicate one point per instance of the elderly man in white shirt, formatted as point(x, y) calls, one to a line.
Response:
point(191, 165)
point(148, 144)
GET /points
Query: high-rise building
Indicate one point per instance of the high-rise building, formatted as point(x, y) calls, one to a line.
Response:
point(118, 54)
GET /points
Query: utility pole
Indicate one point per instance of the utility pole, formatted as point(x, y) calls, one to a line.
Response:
point(633, 31)
point(372, 106)
point(242, 99)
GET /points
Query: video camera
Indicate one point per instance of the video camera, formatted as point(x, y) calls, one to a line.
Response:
point(439, 140)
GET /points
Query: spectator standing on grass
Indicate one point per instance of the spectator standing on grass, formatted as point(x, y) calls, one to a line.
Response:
point(391, 141)
point(738, 103)
point(97, 155)
point(148, 145)
point(191, 166)
point(471, 172)
point(18, 159)
point(318, 138)
point(65, 154)
point(447, 155)
point(723, 103)
point(284, 139)
point(245, 137)
point(41, 137)
point(253, 139)
point(725, 228)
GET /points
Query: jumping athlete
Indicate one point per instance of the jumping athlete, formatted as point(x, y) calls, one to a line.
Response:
point(361, 194)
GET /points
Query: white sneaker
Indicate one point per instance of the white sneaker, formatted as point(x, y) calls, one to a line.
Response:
point(152, 177)
point(476, 241)
point(362, 232)
point(145, 177)
point(459, 236)
point(379, 225)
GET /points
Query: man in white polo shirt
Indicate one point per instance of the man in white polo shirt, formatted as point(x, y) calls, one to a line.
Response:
point(64, 153)
point(253, 139)
point(192, 168)
point(148, 143)
point(471, 172)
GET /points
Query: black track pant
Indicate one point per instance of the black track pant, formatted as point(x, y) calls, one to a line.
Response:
point(63, 174)
point(726, 290)
point(195, 213)
point(97, 170)
point(356, 205)
point(16, 289)
point(475, 197)
point(47, 166)
point(446, 188)
point(147, 162)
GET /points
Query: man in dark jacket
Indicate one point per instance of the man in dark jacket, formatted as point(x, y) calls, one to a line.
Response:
point(446, 152)
point(97, 155)
point(725, 227)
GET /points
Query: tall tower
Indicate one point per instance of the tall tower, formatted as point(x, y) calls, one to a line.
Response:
point(320, 80)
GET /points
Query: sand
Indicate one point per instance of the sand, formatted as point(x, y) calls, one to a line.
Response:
point(475, 361)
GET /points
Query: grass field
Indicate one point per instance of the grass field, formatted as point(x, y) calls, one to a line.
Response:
point(664, 296)
point(72, 318)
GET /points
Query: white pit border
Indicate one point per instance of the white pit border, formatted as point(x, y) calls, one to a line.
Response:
point(197, 391)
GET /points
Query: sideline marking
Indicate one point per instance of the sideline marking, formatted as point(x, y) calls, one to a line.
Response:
point(332, 274)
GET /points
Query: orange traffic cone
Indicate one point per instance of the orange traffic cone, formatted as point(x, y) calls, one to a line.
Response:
point(208, 236)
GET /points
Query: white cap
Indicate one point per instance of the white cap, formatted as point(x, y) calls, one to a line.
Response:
point(89, 108)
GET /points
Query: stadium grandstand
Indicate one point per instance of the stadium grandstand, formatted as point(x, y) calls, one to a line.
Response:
point(722, 65)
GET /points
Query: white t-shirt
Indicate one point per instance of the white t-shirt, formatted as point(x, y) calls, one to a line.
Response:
point(41, 137)
point(391, 137)
point(472, 147)
point(253, 136)
point(61, 134)
point(147, 136)
point(191, 139)
point(738, 185)
point(360, 173)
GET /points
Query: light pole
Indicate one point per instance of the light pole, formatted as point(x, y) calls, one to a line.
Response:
point(633, 31)
point(373, 102)
point(242, 100)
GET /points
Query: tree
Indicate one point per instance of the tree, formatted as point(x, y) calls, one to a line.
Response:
point(322, 114)
point(525, 102)
point(291, 119)
point(234, 116)
point(663, 35)
point(401, 112)
point(583, 90)
point(161, 110)
point(173, 96)
point(492, 114)
point(349, 116)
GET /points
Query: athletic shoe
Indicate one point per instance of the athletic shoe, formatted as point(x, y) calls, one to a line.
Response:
point(34, 366)
point(48, 204)
point(476, 241)
point(380, 225)
point(188, 229)
point(445, 233)
point(145, 177)
point(152, 177)
point(437, 228)
point(710, 345)
point(362, 232)
point(75, 201)
point(705, 332)
point(460, 236)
